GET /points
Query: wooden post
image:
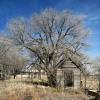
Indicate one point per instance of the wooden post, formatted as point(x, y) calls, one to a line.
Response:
point(85, 81)
point(81, 84)
point(39, 74)
point(99, 82)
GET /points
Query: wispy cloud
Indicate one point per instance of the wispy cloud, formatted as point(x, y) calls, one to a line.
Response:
point(83, 16)
point(89, 17)
point(94, 18)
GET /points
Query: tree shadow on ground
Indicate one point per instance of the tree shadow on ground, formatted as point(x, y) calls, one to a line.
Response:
point(43, 83)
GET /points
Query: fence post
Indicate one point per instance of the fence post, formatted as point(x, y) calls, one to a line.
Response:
point(85, 81)
point(99, 82)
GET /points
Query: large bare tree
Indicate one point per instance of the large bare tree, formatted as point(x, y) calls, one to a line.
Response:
point(53, 37)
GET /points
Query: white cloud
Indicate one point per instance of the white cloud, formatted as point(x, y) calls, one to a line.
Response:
point(95, 18)
point(83, 16)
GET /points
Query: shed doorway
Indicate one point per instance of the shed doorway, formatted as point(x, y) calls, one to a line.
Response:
point(68, 78)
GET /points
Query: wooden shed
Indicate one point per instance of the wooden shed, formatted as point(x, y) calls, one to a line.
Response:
point(69, 76)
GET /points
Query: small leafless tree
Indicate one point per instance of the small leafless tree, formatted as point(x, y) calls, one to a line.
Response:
point(53, 37)
point(10, 60)
point(96, 68)
point(16, 63)
point(4, 48)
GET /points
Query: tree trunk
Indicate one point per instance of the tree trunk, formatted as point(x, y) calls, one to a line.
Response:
point(52, 81)
point(14, 76)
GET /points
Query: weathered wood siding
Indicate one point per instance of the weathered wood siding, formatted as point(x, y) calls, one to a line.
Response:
point(77, 80)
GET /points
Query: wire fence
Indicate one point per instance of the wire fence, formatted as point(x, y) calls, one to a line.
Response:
point(90, 82)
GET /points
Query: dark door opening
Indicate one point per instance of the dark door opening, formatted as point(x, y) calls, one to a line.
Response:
point(68, 78)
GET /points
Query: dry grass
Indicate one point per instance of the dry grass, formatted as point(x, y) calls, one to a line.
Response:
point(91, 83)
point(16, 90)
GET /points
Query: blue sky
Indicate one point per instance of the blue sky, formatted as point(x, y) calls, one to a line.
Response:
point(89, 9)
